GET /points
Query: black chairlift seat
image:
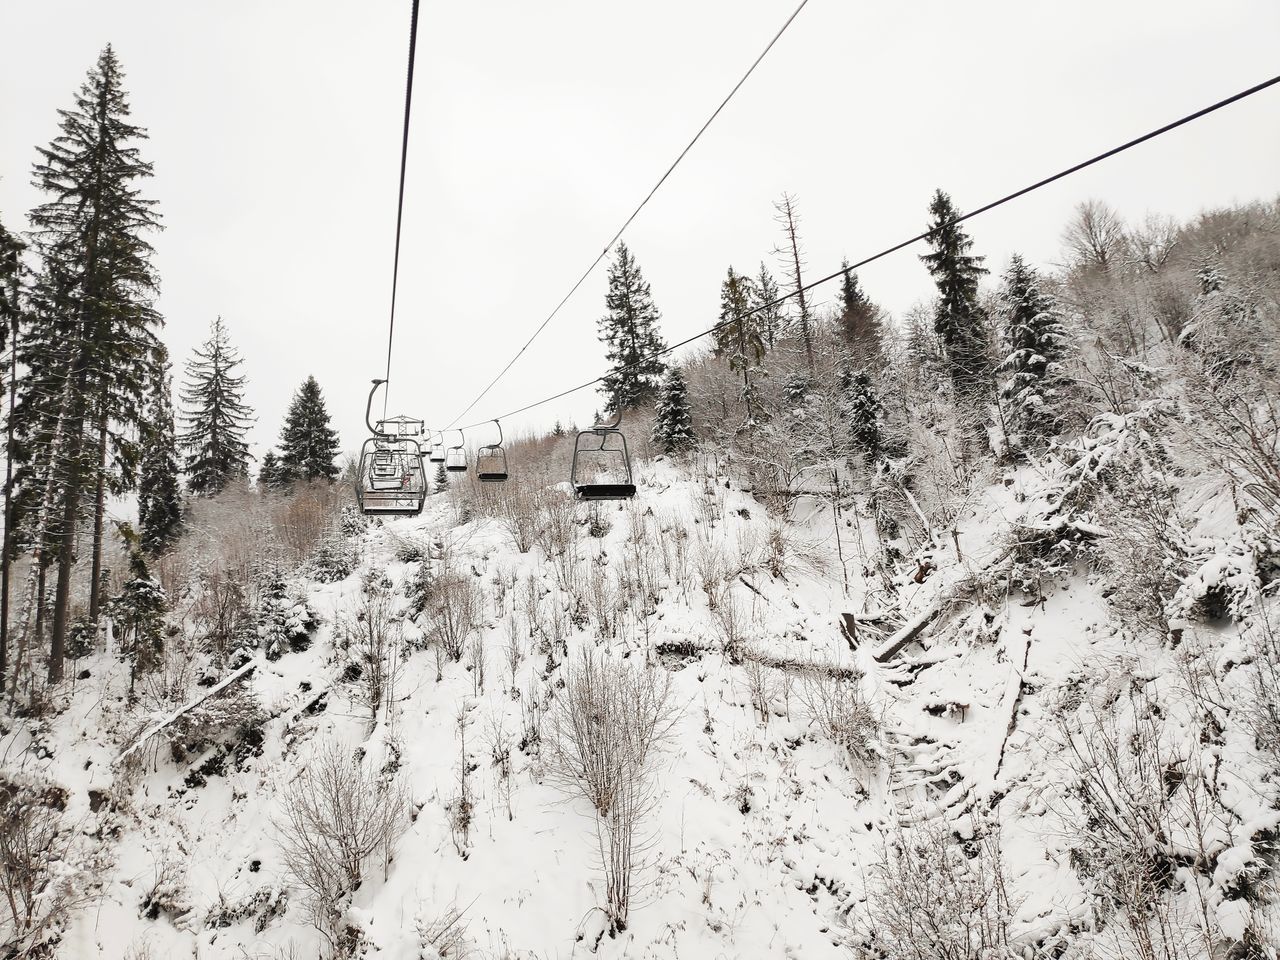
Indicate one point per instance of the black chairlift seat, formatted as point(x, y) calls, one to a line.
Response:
point(620, 486)
point(605, 491)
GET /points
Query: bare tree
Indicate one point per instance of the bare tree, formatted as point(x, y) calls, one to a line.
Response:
point(1095, 236)
point(793, 261)
point(454, 609)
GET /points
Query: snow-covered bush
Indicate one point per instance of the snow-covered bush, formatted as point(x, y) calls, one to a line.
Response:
point(372, 637)
point(608, 723)
point(834, 702)
point(284, 618)
point(335, 816)
point(1154, 838)
point(334, 558)
point(453, 610)
point(48, 866)
point(936, 897)
point(351, 522)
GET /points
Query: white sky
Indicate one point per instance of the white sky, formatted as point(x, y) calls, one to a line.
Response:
point(538, 126)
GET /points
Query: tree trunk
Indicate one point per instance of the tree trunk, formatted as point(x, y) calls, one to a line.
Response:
point(805, 335)
point(99, 510)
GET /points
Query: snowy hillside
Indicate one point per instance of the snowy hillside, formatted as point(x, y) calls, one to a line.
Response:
point(809, 773)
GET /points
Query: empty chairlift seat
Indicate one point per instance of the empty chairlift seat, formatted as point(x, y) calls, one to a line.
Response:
point(491, 461)
point(455, 458)
point(601, 467)
point(390, 475)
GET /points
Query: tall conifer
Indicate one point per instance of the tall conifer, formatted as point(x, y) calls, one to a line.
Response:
point(958, 318)
point(629, 331)
point(308, 444)
point(159, 490)
point(93, 348)
point(1035, 345)
point(216, 417)
point(673, 421)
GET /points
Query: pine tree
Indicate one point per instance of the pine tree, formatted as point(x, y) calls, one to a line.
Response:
point(138, 610)
point(92, 349)
point(558, 430)
point(1035, 345)
point(771, 317)
point(673, 420)
point(741, 339)
point(441, 479)
point(864, 411)
point(272, 475)
point(629, 331)
point(215, 415)
point(159, 491)
point(959, 320)
point(308, 444)
point(859, 319)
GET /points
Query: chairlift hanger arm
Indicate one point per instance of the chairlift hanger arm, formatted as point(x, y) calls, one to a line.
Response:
point(368, 408)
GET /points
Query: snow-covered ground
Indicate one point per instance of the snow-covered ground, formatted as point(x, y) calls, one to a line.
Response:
point(766, 835)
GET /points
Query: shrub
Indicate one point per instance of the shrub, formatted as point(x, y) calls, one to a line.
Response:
point(336, 815)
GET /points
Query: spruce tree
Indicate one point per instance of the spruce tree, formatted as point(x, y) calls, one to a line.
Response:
point(859, 319)
point(864, 412)
point(959, 320)
point(308, 444)
point(673, 421)
point(739, 337)
point(138, 610)
point(159, 490)
point(771, 317)
point(271, 475)
point(92, 349)
point(629, 331)
point(441, 479)
point(215, 415)
point(1035, 345)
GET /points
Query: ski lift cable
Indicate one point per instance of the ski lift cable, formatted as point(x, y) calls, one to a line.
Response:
point(634, 213)
point(1182, 121)
point(404, 157)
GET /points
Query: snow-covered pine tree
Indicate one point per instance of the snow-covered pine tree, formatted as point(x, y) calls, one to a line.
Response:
point(138, 610)
point(91, 353)
point(741, 340)
point(271, 475)
point(959, 320)
point(215, 415)
point(859, 319)
point(308, 444)
point(864, 411)
point(629, 331)
point(771, 317)
point(1035, 345)
point(558, 430)
point(673, 420)
point(159, 490)
point(441, 479)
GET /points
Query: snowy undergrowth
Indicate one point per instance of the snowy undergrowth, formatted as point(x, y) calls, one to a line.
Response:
point(1042, 775)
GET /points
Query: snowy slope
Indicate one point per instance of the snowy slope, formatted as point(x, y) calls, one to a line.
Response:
point(766, 834)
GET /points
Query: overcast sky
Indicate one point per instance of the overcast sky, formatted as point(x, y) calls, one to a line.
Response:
point(275, 128)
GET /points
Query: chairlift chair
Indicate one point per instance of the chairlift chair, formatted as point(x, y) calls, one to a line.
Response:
point(455, 459)
point(390, 479)
point(491, 460)
point(437, 449)
point(585, 479)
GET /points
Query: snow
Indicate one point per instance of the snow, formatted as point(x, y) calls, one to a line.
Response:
point(764, 835)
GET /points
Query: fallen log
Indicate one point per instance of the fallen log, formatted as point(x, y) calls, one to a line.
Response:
point(219, 687)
